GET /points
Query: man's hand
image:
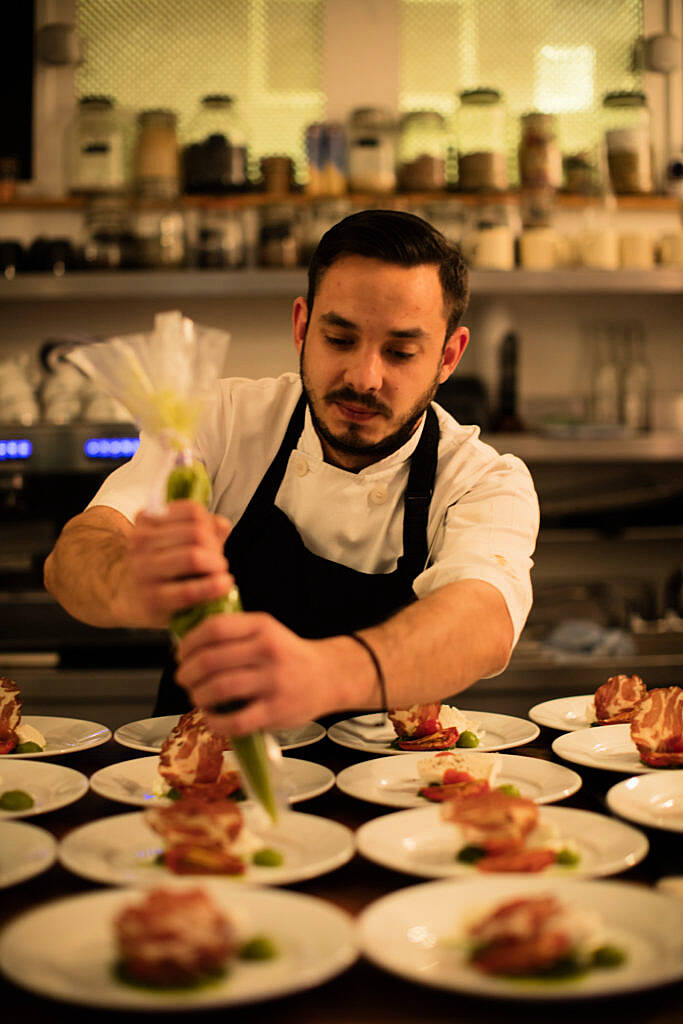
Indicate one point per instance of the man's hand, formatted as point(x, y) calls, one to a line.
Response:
point(283, 679)
point(174, 561)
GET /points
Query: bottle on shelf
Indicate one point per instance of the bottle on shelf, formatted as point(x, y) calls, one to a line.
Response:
point(636, 381)
point(215, 158)
point(605, 392)
point(507, 418)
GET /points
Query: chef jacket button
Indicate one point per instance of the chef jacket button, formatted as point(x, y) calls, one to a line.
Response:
point(300, 466)
point(378, 495)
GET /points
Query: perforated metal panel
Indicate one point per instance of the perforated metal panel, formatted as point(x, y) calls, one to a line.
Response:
point(558, 56)
point(170, 53)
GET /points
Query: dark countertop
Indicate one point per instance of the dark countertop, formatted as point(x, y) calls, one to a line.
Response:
point(363, 993)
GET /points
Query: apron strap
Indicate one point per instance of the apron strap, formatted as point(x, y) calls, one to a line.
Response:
point(419, 490)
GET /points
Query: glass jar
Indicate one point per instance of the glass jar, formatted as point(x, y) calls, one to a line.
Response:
point(627, 137)
point(95, 161)
point(159, 237)
point(279, 239)
point(326, 159)
point(109, 242)
point(481, 141)
point(221, 241)
point(215, 158)
point(540, 158)
point(422, 151)
point(157, 170)
point(372, 150)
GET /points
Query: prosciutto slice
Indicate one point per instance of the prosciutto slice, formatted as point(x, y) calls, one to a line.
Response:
point(192, 755)
point(10, 714)
point(495, 821)
point(520, 937)
point(419, 728)
point(173, 937)
point(616, 700)
point(657, 727)
point(198, 834)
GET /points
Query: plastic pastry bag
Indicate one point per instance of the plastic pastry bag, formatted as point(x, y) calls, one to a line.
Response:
point(163, 379)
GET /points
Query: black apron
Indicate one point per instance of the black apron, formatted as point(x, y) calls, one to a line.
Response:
point(311, 595)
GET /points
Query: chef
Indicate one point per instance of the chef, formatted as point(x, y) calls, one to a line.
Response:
point(381, 549)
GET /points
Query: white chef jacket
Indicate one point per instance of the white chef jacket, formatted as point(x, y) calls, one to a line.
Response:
point(483, 517)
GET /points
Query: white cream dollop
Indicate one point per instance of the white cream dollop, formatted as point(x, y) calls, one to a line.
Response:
point(29, 734)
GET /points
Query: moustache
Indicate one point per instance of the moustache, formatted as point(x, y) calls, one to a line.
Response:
point(368, 402)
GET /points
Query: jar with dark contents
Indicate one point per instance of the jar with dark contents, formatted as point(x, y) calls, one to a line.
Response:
point(627, 136)
point(215, 157)
point(481, 141)
point(422, 151)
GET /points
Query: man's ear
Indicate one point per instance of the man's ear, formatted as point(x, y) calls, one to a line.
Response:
point(299, 322)
point(453, 351)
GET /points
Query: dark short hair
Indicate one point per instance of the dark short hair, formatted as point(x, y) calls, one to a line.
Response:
point(394, 236)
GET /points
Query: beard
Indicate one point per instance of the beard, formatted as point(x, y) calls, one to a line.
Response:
point(350, 440)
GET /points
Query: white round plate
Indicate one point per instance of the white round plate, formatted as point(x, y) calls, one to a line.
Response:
point(66, 949)
point(418, 932)
point(609, 747)
point(121, 850)
point(368, 732)
point(564, 713)
point(131, 782)
point(50, 785)
point(395, 781)
point(25, 851)
point(655, 799)
point(420, 843)
point(149, 734)
point(64, 735)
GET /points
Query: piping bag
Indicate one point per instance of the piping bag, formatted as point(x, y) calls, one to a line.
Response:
point(164, 378)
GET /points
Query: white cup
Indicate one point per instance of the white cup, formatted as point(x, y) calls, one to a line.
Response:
point(599, 249)
point(491, 248)
point(671, 250)
point(636, 250)
point(540, 248)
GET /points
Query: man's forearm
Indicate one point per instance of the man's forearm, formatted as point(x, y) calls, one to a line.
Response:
point(85, 570)
point(435, 647)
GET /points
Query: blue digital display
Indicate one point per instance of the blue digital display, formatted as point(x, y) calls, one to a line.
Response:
point(110, 447)
point(15, 448)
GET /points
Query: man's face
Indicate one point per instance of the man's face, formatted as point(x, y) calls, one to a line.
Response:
point(373, 355)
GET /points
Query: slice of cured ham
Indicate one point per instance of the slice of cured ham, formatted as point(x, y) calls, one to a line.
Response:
point(494, 821)
point(192, 755)
point(616, 700)
point(173, 937)
point(199, 834)
point(418, 720)
point(522, 936)
point(657, 727)
point(10, 714)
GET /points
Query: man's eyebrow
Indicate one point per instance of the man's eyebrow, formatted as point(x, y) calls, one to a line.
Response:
point(335, 320)
point(408, 332)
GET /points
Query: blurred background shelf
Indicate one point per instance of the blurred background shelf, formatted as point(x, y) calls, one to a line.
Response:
point(265, 282)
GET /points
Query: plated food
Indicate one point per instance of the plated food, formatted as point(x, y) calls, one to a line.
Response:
point(608, 747)
point(615, 701)
point(35, 787)
point(16, 736)
point(423, 933)
point(70, 949)
point(137, 781)
point(433, 727)
point(376, 734)
point(28, 736)
point(423, 842)
point(149, 734)
point(126, 850)
point(657, 727)
point(399, 781)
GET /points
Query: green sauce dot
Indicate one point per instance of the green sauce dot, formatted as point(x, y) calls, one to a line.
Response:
point(16, 800)
point(509, 788)
point(567, 857)
point(259, 948)
point(608, 956)
point(29, 747)
point(471, 854)
point(267, 858)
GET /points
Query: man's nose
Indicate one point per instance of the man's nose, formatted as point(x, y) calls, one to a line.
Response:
point(364, 371)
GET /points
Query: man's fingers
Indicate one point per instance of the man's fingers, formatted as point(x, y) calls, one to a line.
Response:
point(208, 659)
point(172, 597)
point(226, 628)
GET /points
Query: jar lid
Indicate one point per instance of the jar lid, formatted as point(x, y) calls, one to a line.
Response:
point(104, 102)
point(538, 121)
point(483, 96)
point(634, 98)
point(371, 117)
point(432, 116)
point(218, 99)
point(157, 114)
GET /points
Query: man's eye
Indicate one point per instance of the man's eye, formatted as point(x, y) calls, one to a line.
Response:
point(338, 342)
point(397, 353)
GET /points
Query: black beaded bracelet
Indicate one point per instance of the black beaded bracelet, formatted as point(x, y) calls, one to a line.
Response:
point(378, 668)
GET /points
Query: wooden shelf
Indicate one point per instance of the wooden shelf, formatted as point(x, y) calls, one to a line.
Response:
point(104, 285)
point(257, 199)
